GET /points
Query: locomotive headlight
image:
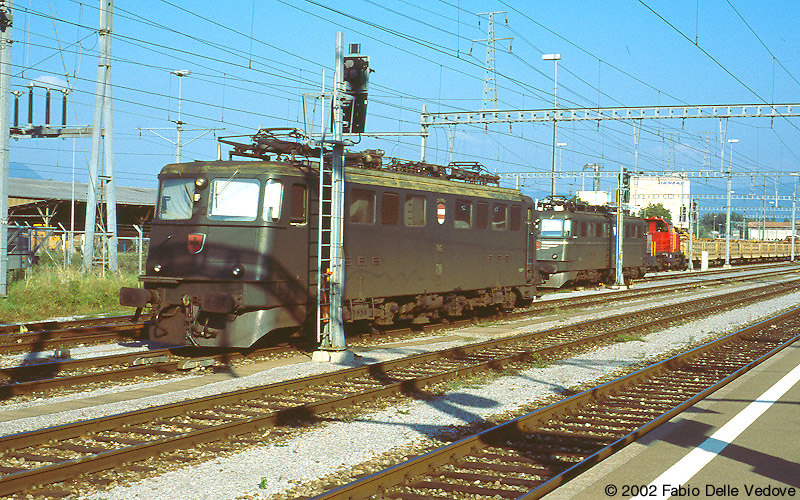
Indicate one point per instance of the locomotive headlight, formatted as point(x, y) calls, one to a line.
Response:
point(237, 271)
point(555, 256)
point(157, 268)
point(200, 182)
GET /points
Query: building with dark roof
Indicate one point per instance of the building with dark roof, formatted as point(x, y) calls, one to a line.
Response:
point(50, 203)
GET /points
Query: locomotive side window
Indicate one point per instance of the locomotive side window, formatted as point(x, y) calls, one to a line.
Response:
point(482, 215)
point(273, 194)
point(298, 204)
point(584, 231)
point(515, 216)
point(390, 209)
point(552, 228)
point(499, 216)
point(362, 206)
point(441, 211)
point(175, 202)
point(463, 216)
point(234, 199)
point(598, 229)
point(414, 210)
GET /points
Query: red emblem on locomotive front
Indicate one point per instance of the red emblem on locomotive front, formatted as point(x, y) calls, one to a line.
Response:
point(196, 242)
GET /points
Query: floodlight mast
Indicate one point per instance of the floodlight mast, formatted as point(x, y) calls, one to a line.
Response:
point(794, 211)
point(728, 208)
point(555, 58)
point(180, 73)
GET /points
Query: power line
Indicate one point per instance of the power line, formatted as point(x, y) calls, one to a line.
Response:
point(774, 58)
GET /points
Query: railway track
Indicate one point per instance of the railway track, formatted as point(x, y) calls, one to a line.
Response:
point(26, 379)
point(640, 293)
point(531, 455)
point(49, 335)
point(34, 326)
point(62, 452)
point(59, 374)
point(711, 272)
point(40, 336)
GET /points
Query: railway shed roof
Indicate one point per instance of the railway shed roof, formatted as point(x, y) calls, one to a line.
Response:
point(22, 191)
point(48, 203)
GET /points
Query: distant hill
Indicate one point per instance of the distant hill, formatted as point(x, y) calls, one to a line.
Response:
point(22, 171)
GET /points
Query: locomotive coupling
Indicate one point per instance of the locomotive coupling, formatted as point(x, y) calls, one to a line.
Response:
point(136, 297)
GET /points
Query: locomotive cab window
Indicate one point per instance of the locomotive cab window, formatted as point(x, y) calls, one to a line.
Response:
point(463, 216)
point(362, 206)
point(499, 216)
point(298, 210)
point(234, 199)
point(551, 228)
point(414, 210)
point(175, 200)
point(273, 195)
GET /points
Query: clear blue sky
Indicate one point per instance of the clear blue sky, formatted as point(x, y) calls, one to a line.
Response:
point(252, 60)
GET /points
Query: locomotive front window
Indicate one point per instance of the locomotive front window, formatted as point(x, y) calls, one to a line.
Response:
point(362, 206)
point(234, 199)
point(273, 200)
point(175, 201)
point(551, 228)
point(463, 216)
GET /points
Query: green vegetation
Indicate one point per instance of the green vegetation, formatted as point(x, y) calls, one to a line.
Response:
point(538, 361)
point(623, 337)
point(657, 210)
point(49, 290)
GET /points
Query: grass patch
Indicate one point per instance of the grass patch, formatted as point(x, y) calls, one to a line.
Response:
point(49, 291)
point(537, 361)
point(553, 311)
point(453, 384)
point(624, 337)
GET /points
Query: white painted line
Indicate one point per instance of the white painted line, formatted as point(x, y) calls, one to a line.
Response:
point(680, 473)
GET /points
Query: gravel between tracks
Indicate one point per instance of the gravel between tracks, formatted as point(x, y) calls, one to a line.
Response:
point(262, 472)
point(283, 373)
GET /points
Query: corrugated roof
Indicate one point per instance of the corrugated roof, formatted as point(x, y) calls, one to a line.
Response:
point(38, 189)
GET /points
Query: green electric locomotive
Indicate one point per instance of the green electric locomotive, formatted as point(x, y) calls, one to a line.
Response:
point(233, 246)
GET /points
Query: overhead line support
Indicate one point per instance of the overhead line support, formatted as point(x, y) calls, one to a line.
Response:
point(612, 113)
